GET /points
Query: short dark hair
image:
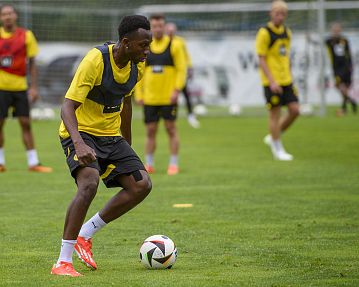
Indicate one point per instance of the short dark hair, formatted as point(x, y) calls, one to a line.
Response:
point(157, 16)
point(131, 24)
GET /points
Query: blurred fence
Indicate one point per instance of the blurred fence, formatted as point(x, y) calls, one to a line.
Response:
point(67, 29)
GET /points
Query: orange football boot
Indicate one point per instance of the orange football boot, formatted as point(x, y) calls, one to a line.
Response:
point(2, 168)
point(149, 168)
point(65, 269)
point(172, 169)
point(40, 168)
point(83, 249)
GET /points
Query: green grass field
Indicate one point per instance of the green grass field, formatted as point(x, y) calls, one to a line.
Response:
point(254, 221)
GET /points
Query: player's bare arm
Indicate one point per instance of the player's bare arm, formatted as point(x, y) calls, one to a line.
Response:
point(174, 97)
point(126, 119)
point(85, 154)
point(272, 84)
point(33, 90)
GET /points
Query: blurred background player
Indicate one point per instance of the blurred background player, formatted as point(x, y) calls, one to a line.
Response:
point(340, 56)
point(171, 30)
point(163, 80)
point(96, 137)
point(273, 49)
point(18, 47)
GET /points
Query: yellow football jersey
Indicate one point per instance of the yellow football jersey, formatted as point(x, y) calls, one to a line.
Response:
point(165, 71)
point(184, 47)
point(91, 115)
point(274, 43)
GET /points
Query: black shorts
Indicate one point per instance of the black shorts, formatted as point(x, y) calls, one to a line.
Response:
point(343, 77)
point(154, 113)
point(114, 157)
point(18, 101)
point(289, 95)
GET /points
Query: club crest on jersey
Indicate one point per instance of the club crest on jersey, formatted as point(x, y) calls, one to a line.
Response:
point(157, 69)
point(6, 61)
point(282, 50)
point(339, 50)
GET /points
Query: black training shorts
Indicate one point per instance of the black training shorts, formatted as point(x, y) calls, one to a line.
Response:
point(18, 101)
point(289, 95)
point(154, 113)
point(343, 77)
point(114, 157)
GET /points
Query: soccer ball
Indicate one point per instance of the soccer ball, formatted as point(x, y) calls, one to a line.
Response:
point(200, 110)
point(234, 110)
point(158, 252)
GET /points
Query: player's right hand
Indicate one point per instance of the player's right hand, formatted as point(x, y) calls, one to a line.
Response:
point(85, 154)
point(275, 88)
point(174, 97)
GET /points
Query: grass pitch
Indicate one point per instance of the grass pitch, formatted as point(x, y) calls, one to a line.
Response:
point(254, 221)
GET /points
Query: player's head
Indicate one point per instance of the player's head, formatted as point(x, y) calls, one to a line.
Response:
point(135, 37)
point(279, 12)
point(158, 22)
point(336, 29)
point(8, 16)
point(171, 29)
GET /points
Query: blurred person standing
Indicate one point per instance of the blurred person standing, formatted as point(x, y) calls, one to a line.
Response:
point(171, 30)
point(158, 91)
point(273, 50)
point(340, 56)
point(18, 48)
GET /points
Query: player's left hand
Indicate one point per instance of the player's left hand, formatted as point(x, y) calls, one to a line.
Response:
point(174, 97)
point(33, 94)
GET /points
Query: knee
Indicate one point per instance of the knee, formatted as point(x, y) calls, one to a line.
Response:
point(151, 132)
point(26, 126)
point(87, 190)
point(294, 112)
point(142, 188)
point(171, 131)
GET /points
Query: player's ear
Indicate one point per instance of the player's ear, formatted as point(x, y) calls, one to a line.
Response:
point(125, 42)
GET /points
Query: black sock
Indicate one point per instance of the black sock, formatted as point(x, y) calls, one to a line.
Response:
point(344, 105)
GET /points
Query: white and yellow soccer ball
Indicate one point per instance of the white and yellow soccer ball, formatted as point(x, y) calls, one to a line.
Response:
point(158, 252)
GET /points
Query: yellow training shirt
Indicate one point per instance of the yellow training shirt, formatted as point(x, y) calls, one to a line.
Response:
point(90, 116)
point(160, 81)
point(11, 82)
point(277, 55)
point(186, 53)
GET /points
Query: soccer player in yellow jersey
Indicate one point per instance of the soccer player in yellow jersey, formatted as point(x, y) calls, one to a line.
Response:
point(163, 80)
point(273, 49)
point(18, 47)
point(95, 135)
point(171, 30)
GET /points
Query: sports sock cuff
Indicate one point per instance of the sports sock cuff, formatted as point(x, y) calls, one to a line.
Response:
point(32, 158)
point(93, 225)
point(173, 159)
point(2, 156)
point(100, 220)
point(69, 241)
point(149, 159)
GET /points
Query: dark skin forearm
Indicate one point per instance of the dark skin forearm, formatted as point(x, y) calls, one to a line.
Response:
point(69, 118)
point(33, 72)
point(33, 90)
point(84, 153)
point(126, 120)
